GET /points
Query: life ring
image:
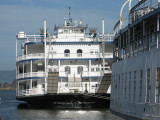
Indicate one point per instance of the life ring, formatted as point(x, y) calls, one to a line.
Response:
point(34, 91)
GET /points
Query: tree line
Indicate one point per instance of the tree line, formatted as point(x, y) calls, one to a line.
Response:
point(8, 85)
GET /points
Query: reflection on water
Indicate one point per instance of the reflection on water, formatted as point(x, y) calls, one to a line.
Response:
point(9, 111)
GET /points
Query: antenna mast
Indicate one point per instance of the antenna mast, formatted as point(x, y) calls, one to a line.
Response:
point(70, 17)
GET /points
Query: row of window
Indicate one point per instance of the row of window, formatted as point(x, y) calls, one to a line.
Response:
point(128, 84)
point(69, 31)
point(79, 69)
point(68, 51)
point(80, 51)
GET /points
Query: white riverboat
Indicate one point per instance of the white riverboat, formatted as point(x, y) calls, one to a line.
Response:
point(135, 91)
point(66, 66)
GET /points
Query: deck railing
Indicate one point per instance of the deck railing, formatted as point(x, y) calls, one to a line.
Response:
point(64, 56)
point(139, 10)
point(28, 92)
point(84, 74)
point(35, 37)
point(31, 74)
point(31, 56)
point(148, 43)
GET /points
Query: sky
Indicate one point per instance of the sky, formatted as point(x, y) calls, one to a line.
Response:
point(28, 16)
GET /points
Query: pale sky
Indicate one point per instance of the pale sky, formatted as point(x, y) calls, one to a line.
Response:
point(28, 16)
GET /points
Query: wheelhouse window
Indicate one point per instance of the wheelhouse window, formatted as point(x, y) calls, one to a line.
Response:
point(79, 53)
point(67, 70)
point(67, 53)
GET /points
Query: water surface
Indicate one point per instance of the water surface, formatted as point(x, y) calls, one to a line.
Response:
point(10, 111)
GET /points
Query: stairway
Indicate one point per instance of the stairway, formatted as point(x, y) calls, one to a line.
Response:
point(105, 83)
point(52, 86)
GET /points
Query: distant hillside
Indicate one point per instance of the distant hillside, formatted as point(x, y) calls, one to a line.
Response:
point(7, 76)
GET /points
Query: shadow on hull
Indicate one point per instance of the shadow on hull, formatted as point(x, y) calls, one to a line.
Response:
point(73, 101)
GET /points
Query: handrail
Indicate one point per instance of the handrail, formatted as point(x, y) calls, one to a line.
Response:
point(30, 74)
point(142, 8)
point(29, 92)
point(39, 37)
point(138, 4)
point(64, 55)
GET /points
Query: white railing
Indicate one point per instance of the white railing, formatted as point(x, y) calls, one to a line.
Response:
point(108, 37)
point(139, 10)
point(35, 37)
point(79, 55)
point(61, 74)
point(31, 74)
point(64, 56)
point(31, 56)
point(28, 92)
point(83, 74)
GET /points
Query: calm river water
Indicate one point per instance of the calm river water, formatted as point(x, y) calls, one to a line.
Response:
point(9, 111)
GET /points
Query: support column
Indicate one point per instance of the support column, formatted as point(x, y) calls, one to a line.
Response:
point(45, 59)
point(17, 88)
point(134, 42)
point(26, 50)
point(31, 74)
point(59, 64)
point(23, 69)
point(126, 41)
point(31, 68)
point(158, 31)
point(30, 83)
point(89, 74)
point(103, 45)
point(143, 34)
point(18, 71)
point(61, 85)
point(129, 42)
point(120, 49)
point(123, 46)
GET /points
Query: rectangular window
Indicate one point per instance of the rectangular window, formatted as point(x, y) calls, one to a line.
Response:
point(148, 89)
point(129, 86)
point(122, 87)
point(134, 94)
point(116, 87)
point(119, 87)
point(158, 85)
point(140, 86)
point(125, 93)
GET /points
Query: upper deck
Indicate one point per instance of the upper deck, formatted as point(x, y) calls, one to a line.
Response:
point(141, 33)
